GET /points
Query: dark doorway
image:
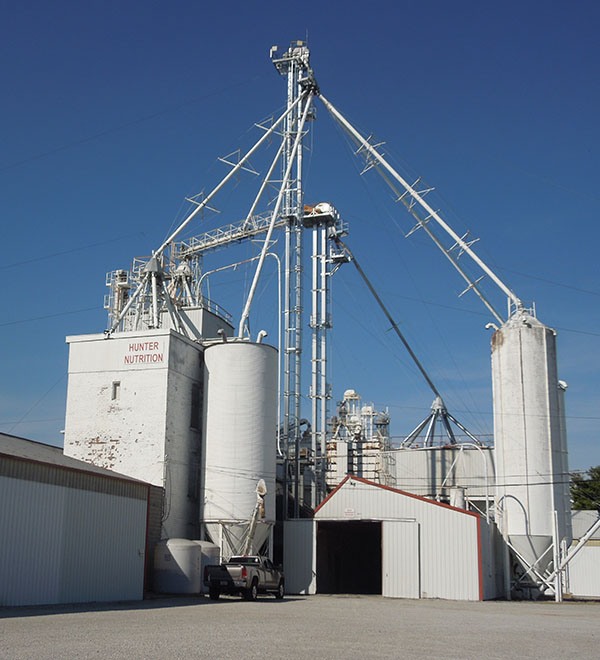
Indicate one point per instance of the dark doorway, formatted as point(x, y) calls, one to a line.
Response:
point(348, 557)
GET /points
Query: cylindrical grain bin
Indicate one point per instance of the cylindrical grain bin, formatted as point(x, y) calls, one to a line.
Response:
point(239, 440)
point(530, 442)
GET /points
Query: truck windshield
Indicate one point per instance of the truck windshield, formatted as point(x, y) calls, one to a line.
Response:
point(244, 560)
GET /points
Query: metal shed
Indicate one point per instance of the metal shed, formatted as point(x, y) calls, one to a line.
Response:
point(369, 538)
point(584, 568)
point(71, 532)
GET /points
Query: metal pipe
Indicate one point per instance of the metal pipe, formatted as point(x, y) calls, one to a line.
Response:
point(286, 177)
point(215, 190)
point(323, 354)
point(176, 325)
point(415, 432)
point(314, 384)
point(205, 201)
point(575, 549)
point(188, 292)
point(298, 197)
point(415, 195)
point(261, 335)
point(217, 270)
point(128, 305)
point(263, 186)
point(276, 257)
point(449, 431)
point(389, 317)
point(465, 430)
point(154, 301)
point(487, 477)
point(450, 470)
point(424, 226)
point(531, 567)
point(279, 307)
point(430, 433)
point(558, 590)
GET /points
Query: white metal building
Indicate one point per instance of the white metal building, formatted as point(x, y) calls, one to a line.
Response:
point(71, 532)
point(369, 538)
point(583, 577)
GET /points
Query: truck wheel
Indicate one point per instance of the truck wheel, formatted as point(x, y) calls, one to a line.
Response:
point(214, 594)
point(253, 591)
point(279, 594)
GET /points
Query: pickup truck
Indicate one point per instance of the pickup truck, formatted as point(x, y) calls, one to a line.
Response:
point(247, 576)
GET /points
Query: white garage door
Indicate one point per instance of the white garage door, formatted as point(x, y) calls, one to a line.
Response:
point(299, 552)
point(401, 559)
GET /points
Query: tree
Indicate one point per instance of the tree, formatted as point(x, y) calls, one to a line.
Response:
point(585, 492)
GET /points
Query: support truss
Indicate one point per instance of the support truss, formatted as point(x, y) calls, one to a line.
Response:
point(417, 206)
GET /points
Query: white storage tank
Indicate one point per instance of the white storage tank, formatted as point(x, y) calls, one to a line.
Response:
point(239, 441)
point(530, 441)
point(179, 565)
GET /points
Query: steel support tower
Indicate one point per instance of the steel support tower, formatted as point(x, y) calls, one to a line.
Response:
point(295, 64)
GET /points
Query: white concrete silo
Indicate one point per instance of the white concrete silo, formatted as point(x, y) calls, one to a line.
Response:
point(530, 439)
point(239, 442)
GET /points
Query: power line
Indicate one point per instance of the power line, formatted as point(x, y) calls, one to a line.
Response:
point(33, 421)
point(542, 279)
point(581, 332)
point(71, 250)
point(37, 403)
point(49, 316)
point(127, 124)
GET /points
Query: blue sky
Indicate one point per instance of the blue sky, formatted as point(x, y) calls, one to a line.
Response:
point(114, 112)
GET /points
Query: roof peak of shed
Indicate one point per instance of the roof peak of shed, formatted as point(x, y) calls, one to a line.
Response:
point(350, 477)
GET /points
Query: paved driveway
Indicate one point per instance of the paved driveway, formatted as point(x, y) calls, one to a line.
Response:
point(315, 627)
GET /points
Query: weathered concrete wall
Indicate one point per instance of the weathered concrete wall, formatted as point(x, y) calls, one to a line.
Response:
point(129, 404)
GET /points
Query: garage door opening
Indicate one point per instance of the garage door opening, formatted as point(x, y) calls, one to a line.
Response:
point(348, 557)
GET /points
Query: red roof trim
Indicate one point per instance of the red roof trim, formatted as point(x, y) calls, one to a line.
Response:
point(350, 477)
point(333, 492)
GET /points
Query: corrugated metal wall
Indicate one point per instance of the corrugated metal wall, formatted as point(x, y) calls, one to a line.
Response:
point(401, 559)
point(69, 536)
point(423, 471)
point(493, 560)
point(449, 538)
point(300, 557)
point(584, 571)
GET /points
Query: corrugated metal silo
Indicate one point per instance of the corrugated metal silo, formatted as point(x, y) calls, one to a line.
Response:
point(530, 443)
point(239, 441)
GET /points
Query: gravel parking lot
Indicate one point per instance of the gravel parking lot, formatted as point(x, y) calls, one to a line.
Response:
point(312, 627)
